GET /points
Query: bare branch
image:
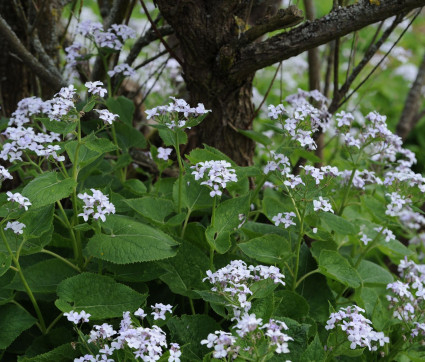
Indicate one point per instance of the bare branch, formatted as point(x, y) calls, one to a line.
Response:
point(409, 116)
point(336, 24)
point(147, 38)
point(52, 78)
point(284, 18)
point(356, 71)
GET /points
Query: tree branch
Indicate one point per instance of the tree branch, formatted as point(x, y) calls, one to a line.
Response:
point(147, 38)
point(410, 112)
point(52, 78)
point(338, 94)
point(284, 18)
point(336, 24)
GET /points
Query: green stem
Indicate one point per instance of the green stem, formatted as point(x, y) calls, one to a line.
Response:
point(297, 250)
point(25, 284)
point(186, 220)
point(305, 276)
point(179, 160)
point(114, 138)
point(77, 248)
point(258, 188)
point(45, 251)
point(71, 231)
point(369, 247)
point(51, 325)
point(347, 190)
point(192, 307)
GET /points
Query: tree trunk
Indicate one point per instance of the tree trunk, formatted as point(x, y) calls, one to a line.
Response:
point(35, 23)
point(206, 30)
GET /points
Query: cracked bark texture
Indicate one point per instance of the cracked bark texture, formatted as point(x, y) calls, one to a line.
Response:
point(219, 65)
point(28, 65)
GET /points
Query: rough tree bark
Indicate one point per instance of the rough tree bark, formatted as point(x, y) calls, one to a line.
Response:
point(220, 61)
point(29, 43)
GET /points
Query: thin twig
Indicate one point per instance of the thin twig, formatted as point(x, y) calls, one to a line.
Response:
point(154, 27)
point(267, 93)
point(151, 59)
point(380, 62)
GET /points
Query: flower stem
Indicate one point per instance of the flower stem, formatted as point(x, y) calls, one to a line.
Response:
point(25, 284)
point(179, 160)
point(297, 250)
point(57, 256)
point(347, 190)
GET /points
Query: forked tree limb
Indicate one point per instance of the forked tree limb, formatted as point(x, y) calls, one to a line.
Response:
point(338, 23)
point(53, 78)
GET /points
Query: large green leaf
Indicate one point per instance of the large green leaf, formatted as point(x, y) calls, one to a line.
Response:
point(191, 329)
point(128, 137)
point(226, 221)
point(338, 224)
point(122, 106)
point(5, 262)
point(186, 270)
point(58, 126)
point(90, 149)
point(31, 246)
point(154, 209)
point(99, 295)
point(13, 321)
point(290, 304)
point(65, 352)
point(130, 241)
point(48, 188)
point(194, 195)
point(372, 273)
point(270, 248)
point(44, 277)
point(37, 221)
point(335, 266)
point(314, 351)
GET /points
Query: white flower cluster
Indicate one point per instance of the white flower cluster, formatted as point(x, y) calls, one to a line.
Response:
point(323, 205)
point(303, 119)
point(4, 174)
point(235, 279)
point(77, 317)
point(148, 344)
point(287, 221)
point(96, 88)
point(97, 205)
point(408, 299)
point(123, 69)
point(399, 207)
point(164, 153)
point(106, 116)
point(179, 106)
point(16, 226)
point(360, 178)
point(112, 38)
point(280, 162)
point(216, 175)
point(17, 197)
point(23, 139)
point(358, 329)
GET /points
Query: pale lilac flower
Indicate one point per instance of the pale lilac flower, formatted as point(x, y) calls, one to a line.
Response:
point(293, 181)
point(76, 317)
point(216, 175)
point(4, 174)
point(160, 310)
point(97, 205)
point(222, 343)
point(106, 116)
point(140, 313)
point(96, 88)
point(322, 204)
point(123, 69)
point(21, 200)
point(175, 353)
point(16, 226)
point(287, 221)
point(164, 153)
point(358, 329)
